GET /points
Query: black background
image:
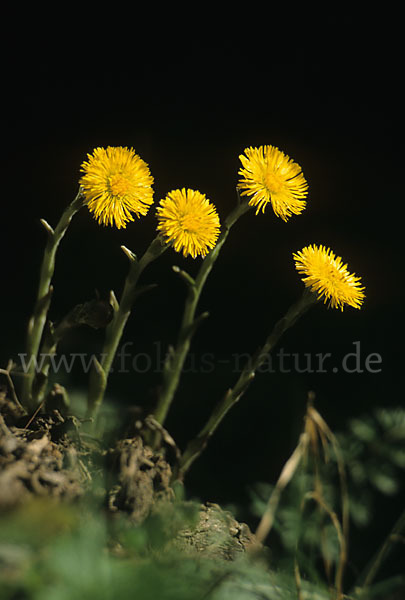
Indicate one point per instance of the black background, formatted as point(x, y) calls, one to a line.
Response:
point(190, 98)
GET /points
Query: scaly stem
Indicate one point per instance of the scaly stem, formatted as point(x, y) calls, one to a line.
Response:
point(196, 446)
point(114, 331)
point(95, 314)
point(38, 319)
point(175, 361)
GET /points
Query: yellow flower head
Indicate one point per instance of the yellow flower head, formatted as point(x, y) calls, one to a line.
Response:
point(189, 222)
point(116, 183)
point(326, 275)
point(269, 175)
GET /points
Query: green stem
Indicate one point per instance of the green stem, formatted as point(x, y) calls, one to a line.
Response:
point(175, 361)
point(38, 319)
point(95, 314)
point(368, 576)
point(114, 331)
point(197, 445)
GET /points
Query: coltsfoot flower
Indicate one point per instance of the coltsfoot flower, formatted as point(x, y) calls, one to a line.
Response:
point(116, 183)
point(327, 276)
point(189, 222)
point(270, 176)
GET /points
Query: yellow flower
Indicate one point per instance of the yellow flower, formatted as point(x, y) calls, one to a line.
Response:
point(269, 175)
point(189, 222)
point(116, 183)
point(326, 275)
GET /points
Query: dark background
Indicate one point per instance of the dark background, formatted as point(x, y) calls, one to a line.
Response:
point(190, 99)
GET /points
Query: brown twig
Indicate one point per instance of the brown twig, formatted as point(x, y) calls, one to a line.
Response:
point(34, 415)
point(13, 393)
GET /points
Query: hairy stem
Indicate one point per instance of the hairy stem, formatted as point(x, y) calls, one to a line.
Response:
point(114, 331)
point(175, 361)
point(38, 319)
point(197, 445)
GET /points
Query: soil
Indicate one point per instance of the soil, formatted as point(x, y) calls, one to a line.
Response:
point(48, 455)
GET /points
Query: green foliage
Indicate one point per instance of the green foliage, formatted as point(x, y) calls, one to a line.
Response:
point(86, 555)
point(373, 448)
point(53, 551)
point(304, 531)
